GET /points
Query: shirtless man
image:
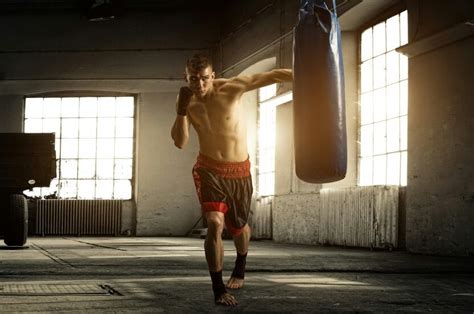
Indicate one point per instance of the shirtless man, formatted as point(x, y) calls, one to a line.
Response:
point(222, 171)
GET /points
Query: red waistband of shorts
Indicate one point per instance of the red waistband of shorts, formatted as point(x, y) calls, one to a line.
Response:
point(239, 169)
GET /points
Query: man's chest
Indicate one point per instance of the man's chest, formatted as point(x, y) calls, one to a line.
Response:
point(215, 114)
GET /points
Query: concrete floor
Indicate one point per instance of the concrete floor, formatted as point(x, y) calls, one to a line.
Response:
point(170, 275)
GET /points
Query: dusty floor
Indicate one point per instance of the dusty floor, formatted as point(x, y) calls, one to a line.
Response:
point(169, 275)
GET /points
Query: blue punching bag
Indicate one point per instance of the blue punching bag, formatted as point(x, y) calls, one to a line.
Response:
point(318, 96)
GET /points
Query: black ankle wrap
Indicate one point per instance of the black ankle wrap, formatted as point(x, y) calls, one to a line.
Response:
point(239, 269)
point(217, 284)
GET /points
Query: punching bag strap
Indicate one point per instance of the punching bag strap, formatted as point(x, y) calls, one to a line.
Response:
point(334, 7)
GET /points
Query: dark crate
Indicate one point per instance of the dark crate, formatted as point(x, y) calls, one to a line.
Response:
point(25, 157)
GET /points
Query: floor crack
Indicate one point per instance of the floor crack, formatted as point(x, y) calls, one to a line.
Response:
point(55, 258)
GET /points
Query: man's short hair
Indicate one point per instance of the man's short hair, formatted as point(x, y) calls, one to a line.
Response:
point(198, 62)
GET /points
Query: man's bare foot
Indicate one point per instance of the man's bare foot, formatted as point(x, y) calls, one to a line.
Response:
point(235, 283)
point(226, 299)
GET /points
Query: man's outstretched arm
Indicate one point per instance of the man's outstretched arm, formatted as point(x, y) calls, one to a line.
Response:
point(265, 78)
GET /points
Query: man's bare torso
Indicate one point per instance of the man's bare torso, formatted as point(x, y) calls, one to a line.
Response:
point(220, 123)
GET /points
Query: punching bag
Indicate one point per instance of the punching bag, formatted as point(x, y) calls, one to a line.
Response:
point(318, 96)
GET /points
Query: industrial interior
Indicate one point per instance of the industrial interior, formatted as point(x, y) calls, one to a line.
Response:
point(120, 217)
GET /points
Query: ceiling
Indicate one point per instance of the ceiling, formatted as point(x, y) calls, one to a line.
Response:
point(343, 5)
point(361, 12)
point(353, 13)
point(33, 5)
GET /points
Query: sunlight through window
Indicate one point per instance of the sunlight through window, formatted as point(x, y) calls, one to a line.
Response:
point(266, 141)
point(383, 103)
point(94, 144)
point(268, 102)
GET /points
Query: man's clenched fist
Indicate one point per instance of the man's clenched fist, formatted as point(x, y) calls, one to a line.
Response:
point(184, 97)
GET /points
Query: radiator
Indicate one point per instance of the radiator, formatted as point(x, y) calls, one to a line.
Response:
point(356, 216)
point(78, 217)
point(362, 216)
point(262, 218)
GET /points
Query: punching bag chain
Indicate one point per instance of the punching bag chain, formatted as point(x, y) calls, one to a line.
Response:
point(311, 3)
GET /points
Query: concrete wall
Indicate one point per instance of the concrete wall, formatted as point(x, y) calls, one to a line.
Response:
point(440, 190)
point(137, 54)
point(65, 45)
point(167, 202)
point(11, 113)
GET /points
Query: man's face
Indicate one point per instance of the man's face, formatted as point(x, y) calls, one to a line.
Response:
point(200, 81)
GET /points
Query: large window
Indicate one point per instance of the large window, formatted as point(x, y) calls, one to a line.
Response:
point(267, 104)
point(266, 141)
point(383, 103)
point(94, 144)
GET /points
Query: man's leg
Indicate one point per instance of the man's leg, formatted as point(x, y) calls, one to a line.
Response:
point(241, 243)
point(214, 249)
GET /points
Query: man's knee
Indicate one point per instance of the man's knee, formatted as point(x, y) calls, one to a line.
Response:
point(215, 222)
point(247, 231)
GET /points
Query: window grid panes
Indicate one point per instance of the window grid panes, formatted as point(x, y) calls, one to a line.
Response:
point(266, 142)
point(94, 145)
point(383, 103)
